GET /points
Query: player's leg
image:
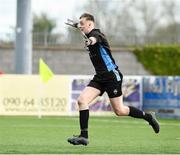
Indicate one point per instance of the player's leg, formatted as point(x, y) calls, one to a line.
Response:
point(86, 97)
point(121, 110)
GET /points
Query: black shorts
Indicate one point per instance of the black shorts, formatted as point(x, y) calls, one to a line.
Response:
point(110, 82)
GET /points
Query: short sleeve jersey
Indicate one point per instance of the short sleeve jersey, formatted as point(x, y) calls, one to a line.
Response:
point(100, 53)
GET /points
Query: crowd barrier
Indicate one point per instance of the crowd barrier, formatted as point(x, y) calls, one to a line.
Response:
point(28, 95)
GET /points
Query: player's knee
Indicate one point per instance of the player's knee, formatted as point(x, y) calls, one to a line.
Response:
point(82, 101)
point(120, 112)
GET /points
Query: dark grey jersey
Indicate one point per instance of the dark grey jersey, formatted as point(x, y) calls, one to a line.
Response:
point(100, 53)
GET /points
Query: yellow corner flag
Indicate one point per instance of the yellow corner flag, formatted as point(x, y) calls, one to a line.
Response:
point(44, 71)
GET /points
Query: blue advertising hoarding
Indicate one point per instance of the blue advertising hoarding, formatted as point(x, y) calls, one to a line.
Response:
point(162, 95)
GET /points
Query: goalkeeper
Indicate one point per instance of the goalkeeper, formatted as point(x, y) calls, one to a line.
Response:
point(108, 78)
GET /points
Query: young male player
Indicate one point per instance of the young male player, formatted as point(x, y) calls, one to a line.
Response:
point(107, 78)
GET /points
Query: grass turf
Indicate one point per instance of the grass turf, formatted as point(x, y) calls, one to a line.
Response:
point(108, 135)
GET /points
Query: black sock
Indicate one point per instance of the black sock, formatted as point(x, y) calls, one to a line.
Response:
point(83, 118)
point(136, 113)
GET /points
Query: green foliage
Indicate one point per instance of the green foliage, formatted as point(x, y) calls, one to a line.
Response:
point(42, 29)
point(43, 23)
point(160, 60)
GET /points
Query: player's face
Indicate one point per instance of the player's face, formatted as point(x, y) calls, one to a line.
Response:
point(84, 25)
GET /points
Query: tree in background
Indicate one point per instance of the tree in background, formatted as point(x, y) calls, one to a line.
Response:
point(172, 28)
point(42, 29)
point(167, 34)
point(114, 19)
point(132, 22)
point(125, 22)
point(148, 19)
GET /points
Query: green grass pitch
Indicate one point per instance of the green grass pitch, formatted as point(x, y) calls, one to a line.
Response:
point(108, 135)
